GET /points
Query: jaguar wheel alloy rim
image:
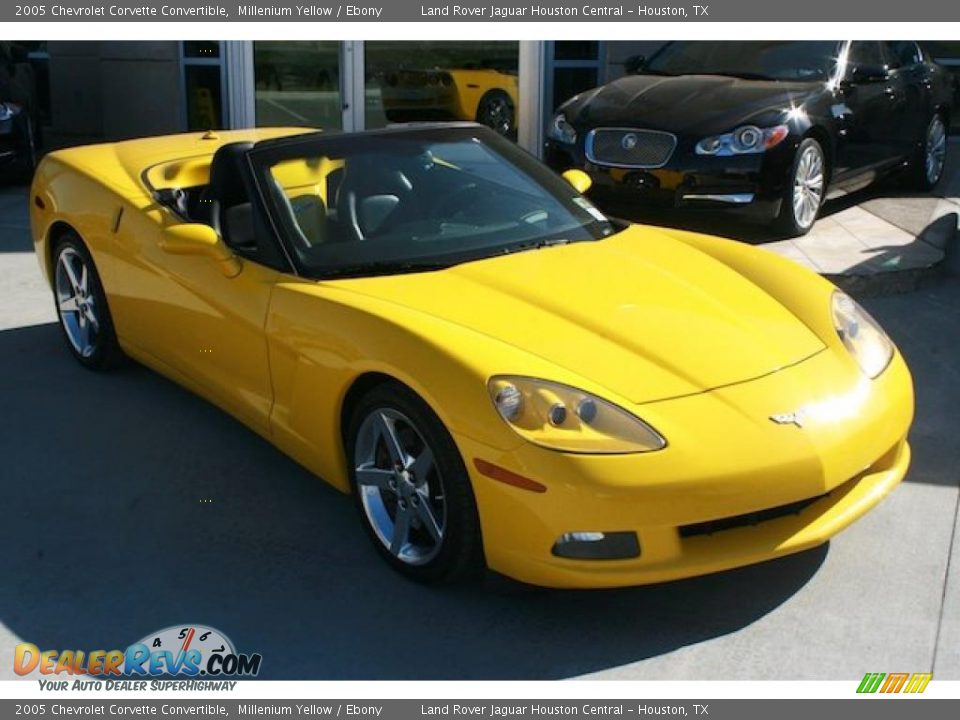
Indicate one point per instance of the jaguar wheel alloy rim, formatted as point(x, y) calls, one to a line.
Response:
point(76, 303)
point(400, 487)
point(808, 187)
point(936, 150)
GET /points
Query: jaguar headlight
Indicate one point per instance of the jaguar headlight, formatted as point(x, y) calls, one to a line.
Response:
point(745, 140)
point(861, 335)
point(560, 417)
point(561, 130)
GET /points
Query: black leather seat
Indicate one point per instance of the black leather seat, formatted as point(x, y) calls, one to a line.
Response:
point(227, 192)
point(372, 196)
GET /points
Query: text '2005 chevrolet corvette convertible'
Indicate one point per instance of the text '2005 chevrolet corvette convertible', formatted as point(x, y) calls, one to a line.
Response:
point(430, 319)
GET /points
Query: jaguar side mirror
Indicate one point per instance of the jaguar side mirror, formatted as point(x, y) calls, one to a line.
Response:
point(578, 179)
point(200, 239)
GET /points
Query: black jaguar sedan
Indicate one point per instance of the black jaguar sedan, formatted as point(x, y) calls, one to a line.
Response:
point(770, 129)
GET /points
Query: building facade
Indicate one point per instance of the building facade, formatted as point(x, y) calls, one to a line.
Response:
point(89, 91)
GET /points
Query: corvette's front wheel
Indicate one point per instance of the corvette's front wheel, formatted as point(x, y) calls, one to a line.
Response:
point(411, 487)
point(82, 306)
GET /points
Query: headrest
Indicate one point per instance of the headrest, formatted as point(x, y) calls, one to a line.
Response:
point(226, 175)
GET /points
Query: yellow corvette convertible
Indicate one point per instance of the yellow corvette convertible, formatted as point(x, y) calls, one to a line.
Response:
point(431, 320)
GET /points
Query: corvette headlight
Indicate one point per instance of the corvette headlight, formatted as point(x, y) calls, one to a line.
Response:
point(561, 130)
point(744, 140)
point(560, 417)
point(861, 335)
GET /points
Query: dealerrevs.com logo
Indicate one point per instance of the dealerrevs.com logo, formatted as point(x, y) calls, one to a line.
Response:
point(889, 683)
point(180, 650)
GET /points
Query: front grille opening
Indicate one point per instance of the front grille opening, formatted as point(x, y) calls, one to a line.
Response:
point(629, 148)
point(795, 508)
point(747, 519)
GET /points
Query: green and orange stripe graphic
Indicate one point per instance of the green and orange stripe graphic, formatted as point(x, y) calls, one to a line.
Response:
point(894, 682)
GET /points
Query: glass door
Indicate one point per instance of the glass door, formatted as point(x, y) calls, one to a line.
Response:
point(437, 81)
point(571, 68)
point(201, 62)
point(298, 84)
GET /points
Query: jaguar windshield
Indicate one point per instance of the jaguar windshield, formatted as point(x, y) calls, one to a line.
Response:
point(409, 199)
point(755, 60)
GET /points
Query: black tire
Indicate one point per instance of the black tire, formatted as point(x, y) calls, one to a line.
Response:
point(788, 222)
point(496, 111)
point(917, 176)
point(459, 554)
point(105, 352)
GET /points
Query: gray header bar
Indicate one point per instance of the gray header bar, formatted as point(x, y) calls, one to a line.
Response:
point(479, 11)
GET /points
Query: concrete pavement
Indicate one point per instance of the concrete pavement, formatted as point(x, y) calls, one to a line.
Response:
point(106, 536)
point(875, 241)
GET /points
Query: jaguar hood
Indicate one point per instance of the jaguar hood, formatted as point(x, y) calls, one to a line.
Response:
point(640, 313)
point(688, 104)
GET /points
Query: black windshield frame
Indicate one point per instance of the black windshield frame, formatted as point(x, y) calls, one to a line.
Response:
point(268, 153)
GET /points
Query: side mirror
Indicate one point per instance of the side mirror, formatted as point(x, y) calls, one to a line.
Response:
point(634, 64)
point(862, 74)
point(199, 239)
point(578, 179)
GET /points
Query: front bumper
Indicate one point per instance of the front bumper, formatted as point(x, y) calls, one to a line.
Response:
point(751, 185)
point(732, 488)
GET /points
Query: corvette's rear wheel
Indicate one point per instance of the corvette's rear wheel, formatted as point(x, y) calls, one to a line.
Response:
point(495, 110)
point(82, 306)
point(411, 487)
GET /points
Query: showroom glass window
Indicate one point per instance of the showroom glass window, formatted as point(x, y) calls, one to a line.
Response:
point(431, 81)
point(576, 66)
point(297, 83)
point(203, 83)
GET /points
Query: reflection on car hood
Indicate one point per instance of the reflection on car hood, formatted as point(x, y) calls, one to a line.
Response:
point(640, 313)
point(688, 104)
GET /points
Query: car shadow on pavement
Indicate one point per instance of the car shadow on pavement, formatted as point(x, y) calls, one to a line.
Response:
point(925, 326)
point(131, 505)
point(728, 224)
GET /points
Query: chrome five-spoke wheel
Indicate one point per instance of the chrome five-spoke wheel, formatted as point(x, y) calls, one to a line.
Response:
point(411, 486)
point(76, 301)
point(82, 307)
point(935, 152)
point(401, 489)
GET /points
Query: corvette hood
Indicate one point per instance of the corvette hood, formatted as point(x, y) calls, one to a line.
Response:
point(687, 104)
point(640, 313)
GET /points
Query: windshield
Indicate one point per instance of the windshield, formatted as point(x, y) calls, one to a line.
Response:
point(798, 61)
point(403, 200)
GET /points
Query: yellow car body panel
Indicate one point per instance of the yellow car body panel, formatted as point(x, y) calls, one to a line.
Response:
point(703, 338)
